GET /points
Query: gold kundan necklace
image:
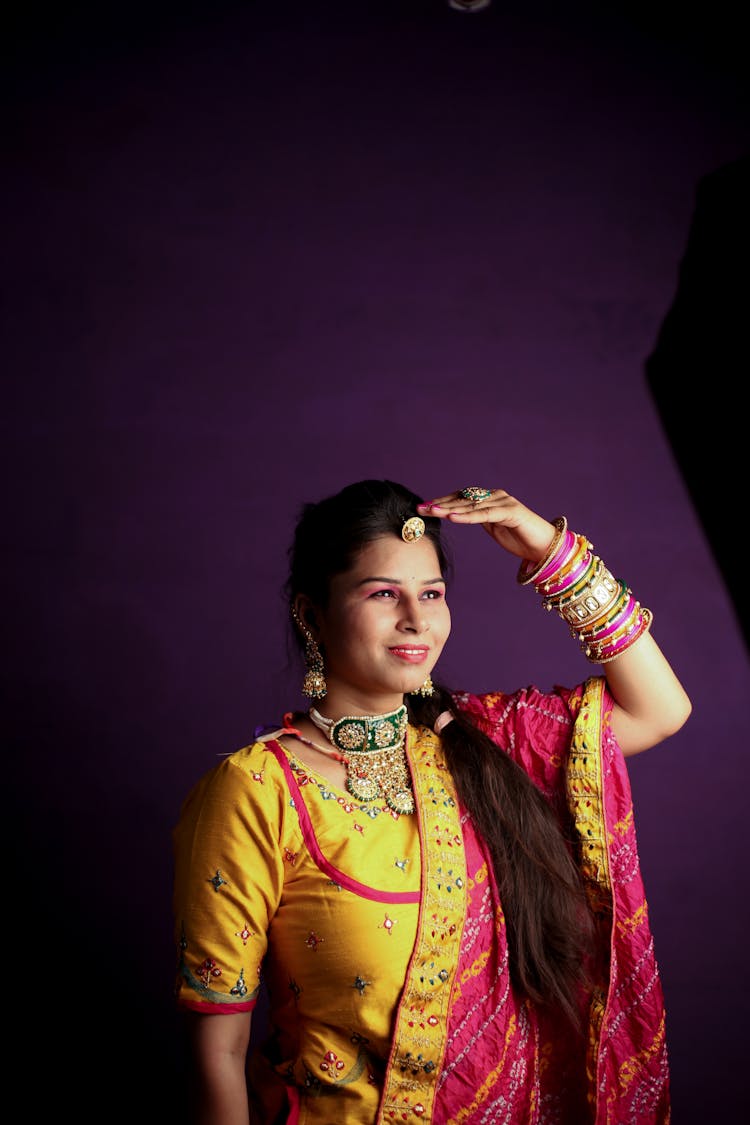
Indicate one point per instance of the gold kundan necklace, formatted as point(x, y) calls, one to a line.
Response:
point(373, 749)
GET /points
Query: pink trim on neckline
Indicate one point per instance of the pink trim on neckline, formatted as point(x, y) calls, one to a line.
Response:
point(308, 834)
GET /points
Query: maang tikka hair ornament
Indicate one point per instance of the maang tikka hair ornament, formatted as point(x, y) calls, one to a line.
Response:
point(314, 684)
point(413, 529)
point(411, 532)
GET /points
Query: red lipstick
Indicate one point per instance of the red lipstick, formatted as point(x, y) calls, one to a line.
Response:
point(412, 654)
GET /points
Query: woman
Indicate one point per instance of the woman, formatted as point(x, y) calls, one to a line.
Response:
point(441, 889)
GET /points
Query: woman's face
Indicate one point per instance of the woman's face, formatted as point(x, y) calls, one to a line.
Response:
point(384, 626)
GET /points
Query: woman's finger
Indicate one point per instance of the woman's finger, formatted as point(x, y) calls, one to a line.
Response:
point(471, 505)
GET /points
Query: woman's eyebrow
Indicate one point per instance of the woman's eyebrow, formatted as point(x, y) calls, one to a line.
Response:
point(397, 581)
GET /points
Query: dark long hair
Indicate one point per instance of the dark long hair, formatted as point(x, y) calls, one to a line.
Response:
point(549, 926)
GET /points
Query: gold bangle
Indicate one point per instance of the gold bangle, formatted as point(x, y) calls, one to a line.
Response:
point(571, 593)
point(524, 578)
point(610, 613)
point(600, 594)
point(579, 584)
point(646, 619)
point(629, 622)
point(574, 562)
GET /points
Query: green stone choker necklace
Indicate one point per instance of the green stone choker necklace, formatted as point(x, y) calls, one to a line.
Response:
point(374, 751)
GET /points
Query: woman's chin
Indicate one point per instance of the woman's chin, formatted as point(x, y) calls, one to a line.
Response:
point(415, 683)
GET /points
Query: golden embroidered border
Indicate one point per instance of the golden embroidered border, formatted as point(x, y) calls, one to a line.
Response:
point(419, 1037)
point(585, 794)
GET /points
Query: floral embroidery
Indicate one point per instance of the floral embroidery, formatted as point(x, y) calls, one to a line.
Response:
point(290, 857)
point(313, 941)
point(240, 988)
point(457, 882)
point(244, 933)
point(410, 1084)
point(349, 806)
point(218, 880)
point(360, 984)
point(331, 1061)
point(414, 1064)
point(401, 863)
point(387, 924)
point(441, 975)
point(206, 970)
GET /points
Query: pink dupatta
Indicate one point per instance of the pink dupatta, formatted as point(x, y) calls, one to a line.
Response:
point(474, 1053)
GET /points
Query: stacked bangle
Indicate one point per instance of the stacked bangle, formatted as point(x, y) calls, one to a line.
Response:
point(601, 611)
point(528, 572)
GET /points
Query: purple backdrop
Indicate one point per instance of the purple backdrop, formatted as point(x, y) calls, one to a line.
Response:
point(258, 251)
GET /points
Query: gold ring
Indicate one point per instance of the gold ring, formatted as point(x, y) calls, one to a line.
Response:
point(475, 494)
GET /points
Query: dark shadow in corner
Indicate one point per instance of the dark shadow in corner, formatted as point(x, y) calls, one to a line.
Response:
point(699, 370)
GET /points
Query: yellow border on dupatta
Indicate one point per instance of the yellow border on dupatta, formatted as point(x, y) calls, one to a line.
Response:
point(420, 1033)
point(585, 794)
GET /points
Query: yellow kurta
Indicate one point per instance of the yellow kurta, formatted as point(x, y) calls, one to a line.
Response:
point(328, 901)
point(382, 937)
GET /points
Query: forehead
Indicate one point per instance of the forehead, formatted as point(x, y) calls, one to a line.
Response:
point(391, 557)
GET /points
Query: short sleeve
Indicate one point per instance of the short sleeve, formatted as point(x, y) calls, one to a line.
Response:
point(228, 856)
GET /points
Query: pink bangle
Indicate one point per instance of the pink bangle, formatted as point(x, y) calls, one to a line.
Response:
point(528, 571)
point(613, 612)
point(557, 560)
point(599, 609)
point(566, 581)
point(602, 653)
point(593, 600)
point(619, 619)
point(644, 628)
point(623, 627)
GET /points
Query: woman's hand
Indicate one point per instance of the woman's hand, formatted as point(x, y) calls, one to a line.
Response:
point(650, 703)
point(509, 522)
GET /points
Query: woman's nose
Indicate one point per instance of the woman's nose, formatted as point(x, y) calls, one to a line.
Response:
point(413, 619)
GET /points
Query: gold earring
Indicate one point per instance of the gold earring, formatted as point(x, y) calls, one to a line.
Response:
point(314, 684)
point(427, 688)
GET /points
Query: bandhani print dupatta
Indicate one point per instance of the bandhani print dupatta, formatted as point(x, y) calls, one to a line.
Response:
point(457, 1007)
point(628, 1066)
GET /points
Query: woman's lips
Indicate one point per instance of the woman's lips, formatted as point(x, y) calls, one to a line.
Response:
point(412, 654)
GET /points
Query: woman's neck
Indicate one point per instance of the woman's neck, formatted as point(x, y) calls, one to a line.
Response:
point(337, 704)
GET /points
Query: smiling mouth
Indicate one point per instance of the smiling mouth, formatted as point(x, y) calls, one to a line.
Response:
point(409, 653)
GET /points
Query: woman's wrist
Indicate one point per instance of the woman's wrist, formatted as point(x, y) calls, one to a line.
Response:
point(529, 571)
point(601, 611)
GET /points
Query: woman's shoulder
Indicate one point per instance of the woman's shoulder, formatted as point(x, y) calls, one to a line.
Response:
point(497, 707)
point(250, 772)
point(543, 718)
point(258, 754)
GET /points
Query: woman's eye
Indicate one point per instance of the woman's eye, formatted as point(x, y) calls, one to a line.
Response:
point(383, 594)
point(433, 595)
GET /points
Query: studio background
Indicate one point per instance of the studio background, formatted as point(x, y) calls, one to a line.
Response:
point(256, 251)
